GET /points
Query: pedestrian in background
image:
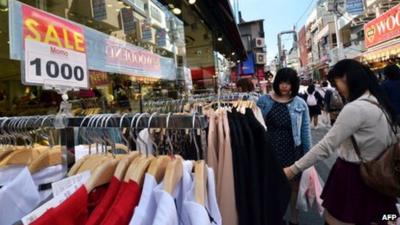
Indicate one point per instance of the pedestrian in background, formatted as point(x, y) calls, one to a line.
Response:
point(287, 118)
point(325, 114)
point(245, 85)
point(334, 103)
point(392, 86)
point(314, 102)
point(346, 198)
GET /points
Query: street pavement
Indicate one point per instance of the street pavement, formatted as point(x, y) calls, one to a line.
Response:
point(312, 217)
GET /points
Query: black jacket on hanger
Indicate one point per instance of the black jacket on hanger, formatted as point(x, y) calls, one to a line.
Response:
point(261, 188)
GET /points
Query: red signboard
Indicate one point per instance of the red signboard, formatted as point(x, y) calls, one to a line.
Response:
point(383, 28)
point(120, 55)
point(48, 29)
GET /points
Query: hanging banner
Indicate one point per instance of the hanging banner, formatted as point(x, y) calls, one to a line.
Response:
point(383, 28)
point(103, 52)
point(55, 51)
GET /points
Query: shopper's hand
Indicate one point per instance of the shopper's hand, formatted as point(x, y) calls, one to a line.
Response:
point(289, 173)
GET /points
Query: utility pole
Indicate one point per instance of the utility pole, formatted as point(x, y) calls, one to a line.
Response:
point(333, 7)
point(294, 33)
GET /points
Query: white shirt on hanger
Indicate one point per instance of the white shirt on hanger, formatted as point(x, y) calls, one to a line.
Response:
point(170, 209)
point(144, 142)
point(198, 214)
point(18, 198)
point(145, 211)
point(46, 175)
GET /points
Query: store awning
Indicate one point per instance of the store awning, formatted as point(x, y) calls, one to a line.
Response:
point(383, 51)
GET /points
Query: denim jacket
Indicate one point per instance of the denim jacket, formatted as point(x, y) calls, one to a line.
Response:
point(300, 119)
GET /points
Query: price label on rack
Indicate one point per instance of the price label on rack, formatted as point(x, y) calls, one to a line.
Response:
point(50, 65)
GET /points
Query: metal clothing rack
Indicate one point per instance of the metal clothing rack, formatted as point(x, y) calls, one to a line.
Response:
point(24, 125)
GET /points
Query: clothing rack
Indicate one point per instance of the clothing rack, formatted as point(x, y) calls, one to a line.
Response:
point(24, 125)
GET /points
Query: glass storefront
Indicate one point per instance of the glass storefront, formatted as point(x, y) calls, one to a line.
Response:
point(110, 27)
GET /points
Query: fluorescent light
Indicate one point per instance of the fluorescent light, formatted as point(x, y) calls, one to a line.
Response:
point(192, 2)
point(177, 11)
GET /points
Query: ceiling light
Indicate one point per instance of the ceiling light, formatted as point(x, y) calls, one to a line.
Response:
point(192, 2)
point(219, 39)
point(109, 5)
point(233, 53)
point(238, 61)
point(177, 11)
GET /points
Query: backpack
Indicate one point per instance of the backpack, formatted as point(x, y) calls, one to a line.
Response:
point(311, 99)
point(335, 102)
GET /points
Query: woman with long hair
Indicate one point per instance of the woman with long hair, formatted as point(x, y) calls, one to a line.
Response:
point(346, 198)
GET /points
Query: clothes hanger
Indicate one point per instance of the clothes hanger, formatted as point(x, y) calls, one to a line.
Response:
point(158, 166)
point(137, 171)
point(101, 175)
point(200, 171)
point(24, 155)
point(97, 159)
point(174, 171)
point(50, 157)
point(74, 169)
point(124, 163)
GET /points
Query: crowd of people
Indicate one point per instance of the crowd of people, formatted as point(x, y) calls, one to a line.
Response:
point(361, 112)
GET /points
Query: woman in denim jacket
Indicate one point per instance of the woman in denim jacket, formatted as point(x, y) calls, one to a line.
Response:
point(287, 118)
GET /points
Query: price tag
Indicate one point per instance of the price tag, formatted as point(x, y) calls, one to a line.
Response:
point(50, 65)
point(62, 185)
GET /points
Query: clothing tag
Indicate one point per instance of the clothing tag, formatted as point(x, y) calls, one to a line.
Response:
point(64, 184)
point(56, 201)
point(80, 152)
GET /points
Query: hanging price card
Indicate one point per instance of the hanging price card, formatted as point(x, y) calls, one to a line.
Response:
point(55, 50)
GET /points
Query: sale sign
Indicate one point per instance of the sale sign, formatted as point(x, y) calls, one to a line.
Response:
point(383, 28)
point(43, 27)
point(55, 50)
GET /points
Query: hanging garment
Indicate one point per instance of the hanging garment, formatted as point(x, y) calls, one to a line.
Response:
point(225, 181)
point(42, 178)
point(127, 199)
point(144, 143)
point(310, 191)
point(72, 211)
point(261, 188)
point(212, 141)
point(145, 211)
point(275, 188)
point(98, 214)
point(170, 209)
point(18, 198)
point(259, 116)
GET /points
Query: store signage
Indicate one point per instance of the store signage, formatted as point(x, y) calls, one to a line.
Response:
point(161, 37)
point(103, 52)
point(128, 21)
point(55, 50)
point(383, 28)
point(147, 32)
point(355, 7)
point(99, 10)
point(120, 55)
